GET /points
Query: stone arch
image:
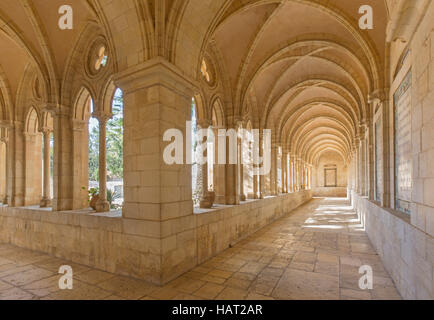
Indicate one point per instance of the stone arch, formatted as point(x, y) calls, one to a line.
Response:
point(201, 110)
point(33, 121)
point(217, 113)
point(81, 109)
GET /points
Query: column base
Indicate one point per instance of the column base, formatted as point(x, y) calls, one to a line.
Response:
point(45, 203)
point(102, 206)
point(5, 200)
point(243, 197)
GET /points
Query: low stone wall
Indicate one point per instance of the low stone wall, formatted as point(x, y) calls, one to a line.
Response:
point(407, 252)
point(106, 242)
point(329, 191)
point(218, 229)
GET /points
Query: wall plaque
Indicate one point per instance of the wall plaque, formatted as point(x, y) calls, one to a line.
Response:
point(403, 156)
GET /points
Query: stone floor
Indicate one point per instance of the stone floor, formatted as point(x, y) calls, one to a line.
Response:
point(314, 253)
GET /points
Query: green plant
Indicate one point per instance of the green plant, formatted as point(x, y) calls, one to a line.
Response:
point(92, 192)
point(112, 196)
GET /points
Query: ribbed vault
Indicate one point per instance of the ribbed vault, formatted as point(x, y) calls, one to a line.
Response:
point(309, 78)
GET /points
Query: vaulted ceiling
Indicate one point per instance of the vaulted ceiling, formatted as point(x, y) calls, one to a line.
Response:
point(303, 65)
point(306, 66)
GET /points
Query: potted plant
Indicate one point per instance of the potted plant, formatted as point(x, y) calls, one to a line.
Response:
point(93, 197)
point(208, 199)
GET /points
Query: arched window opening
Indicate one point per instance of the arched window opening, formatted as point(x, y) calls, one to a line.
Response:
point(279, 170)
point(248, 162)
point(33, 177)
point(196, 172)
point(93, 148)
point(47, 158)
point(115, 152)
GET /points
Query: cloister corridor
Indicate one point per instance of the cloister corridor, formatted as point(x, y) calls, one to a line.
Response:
point(312, 253)
point(217, 149)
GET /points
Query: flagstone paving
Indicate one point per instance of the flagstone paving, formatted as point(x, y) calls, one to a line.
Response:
point(313, 253)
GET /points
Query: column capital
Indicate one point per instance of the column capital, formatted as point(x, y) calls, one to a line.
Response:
point(204, 123)
point(46, 130)
point(6, 124)
point(102, 117)
point(377, 96)
point(156, 71)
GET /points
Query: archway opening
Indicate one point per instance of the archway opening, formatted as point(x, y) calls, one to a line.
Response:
point(33, 177)
point(115, 152)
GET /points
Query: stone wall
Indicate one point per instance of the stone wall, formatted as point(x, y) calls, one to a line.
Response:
point(106, 242)
point(406, 251)
point(329, 192)
point(218, 229)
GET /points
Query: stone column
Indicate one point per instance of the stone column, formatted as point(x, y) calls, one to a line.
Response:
point(241, 161)
point(274, 187)
point(219, 171)
point(17, 164)
point(287, 172)
point(102, 204)
point(356, 165)
point(46, 193)
point(371, 165)
point(255, 184)
point(80, 163)
point(4, 132)
point(303, 175)
point(291, 173)
point(232, 196)
point(205, 201)
point(284, 171)
point(363, 167)
point(261, 156)
point(63, 196)
point(158, 207)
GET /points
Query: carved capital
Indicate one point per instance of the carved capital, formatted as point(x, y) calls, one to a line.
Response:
point(102, 117)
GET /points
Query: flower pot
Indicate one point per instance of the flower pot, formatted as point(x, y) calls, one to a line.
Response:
point(207, 200)
point(94, 201)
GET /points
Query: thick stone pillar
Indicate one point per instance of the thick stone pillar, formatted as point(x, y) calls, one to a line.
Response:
point(17, 158)
point(219, 170)
point(291, 173)
point(356, 164)
point(283, 171)
point(371, 164)
point(241, 151)
point(32, 168)
point(3, 170)
point(363, 166)
point(46, 192)
point(232, 196)
point(63, 188)
point(80, 163)
point(387, 197)
point(255, 183)
point(158, 207)
point(274, 187)
point(298, 174)
point(6, 172)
